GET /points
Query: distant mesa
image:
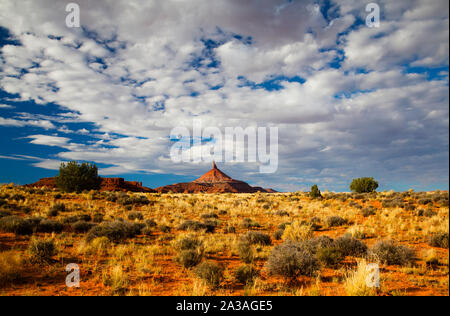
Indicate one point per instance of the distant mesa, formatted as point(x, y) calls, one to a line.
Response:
point(107, 184)
point(214, 181)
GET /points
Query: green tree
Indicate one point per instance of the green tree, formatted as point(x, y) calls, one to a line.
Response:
point(363, 185)
point(315, 192)
point(74, 177)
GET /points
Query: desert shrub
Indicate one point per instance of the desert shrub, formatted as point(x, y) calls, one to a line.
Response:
point(164, 228)
point(350, 246)
point(245, 274)
point(189, 258)
point(82, 226)
point(49, 226)
point(230, 229)
point(424, 201)
point(249, 223)
point(115, 231)
point(135, 215)
point(281, 213)
point(315, 192)
point(10, 265)
point(111, 197)
point(278, 234)
point(439, 239)
point(16, 225)
point(257, 238)
point(41, 250)
point(356, 282)
point(4, 213)
point(368, 211)
point(363, 185)
point(189, 243)
point(151, 223)
point(335, 221)
point(52, 213)
point(210, 272)
point(292, 259)
point(330, 256)
point(298, 231)
point(209, 216)
point(97, 218)
point(57, 207)
point(390, 253)
point(196, 226)
point(17, 197)
point(245, 252)
point(429, 213)
point(74, 177)
point(316, 243)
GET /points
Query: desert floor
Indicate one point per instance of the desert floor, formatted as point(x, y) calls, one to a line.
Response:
point(144, 255)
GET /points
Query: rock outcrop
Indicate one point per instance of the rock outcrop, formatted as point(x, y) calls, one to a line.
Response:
point(107, 184)
point(214, 181)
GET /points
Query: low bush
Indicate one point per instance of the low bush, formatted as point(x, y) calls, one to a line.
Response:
point(189, 258)
point(335, 221)
point(41, 250)
point(292, 259)
point(439, 239)
point(257, 238)
point(249, 223)
point(392, 254)
point(135, 215)
point(115, 231)
point(246, 274)
point(245, 252)
point(49, 226)
point(210, 272)
point(350, 246)
point(368, 211)
point(330, 256)
point(196, 226)
point(82, 226)
point(16, 225)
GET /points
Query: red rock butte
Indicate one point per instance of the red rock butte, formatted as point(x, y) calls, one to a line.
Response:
point(107, 184)
point(214, 181)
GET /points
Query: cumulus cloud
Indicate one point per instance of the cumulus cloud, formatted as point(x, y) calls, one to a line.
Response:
point(346, 100)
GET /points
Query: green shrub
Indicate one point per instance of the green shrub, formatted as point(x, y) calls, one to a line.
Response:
point(135, 215)
point(249, 223)
point(330, 256)
point(364, 185)
point(115, 231)
point(245, 252)
point(390, 253)
point(315, 192)
point(196, 226)
point(292, 259)
point(49, 226)
point(440, 239)
point(16, 225)
point(257, 238)
point(41, 250)
point(210, 272)
point(74, 177)
point(368, 211)
point(82, 226)
point(190, 258)
point(350, 246)
point(209, 216)
point(246, 274)
point(335, 221)
point(189, 243)
point(164, 228)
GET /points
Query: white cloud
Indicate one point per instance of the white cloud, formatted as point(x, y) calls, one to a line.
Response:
point(336, 124)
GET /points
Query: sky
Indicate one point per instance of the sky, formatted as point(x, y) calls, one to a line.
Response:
point(348, 100)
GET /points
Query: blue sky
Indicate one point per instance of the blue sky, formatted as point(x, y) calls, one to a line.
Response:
point(348, 100)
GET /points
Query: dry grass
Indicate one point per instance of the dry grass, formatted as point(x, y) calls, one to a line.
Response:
point(143, 262)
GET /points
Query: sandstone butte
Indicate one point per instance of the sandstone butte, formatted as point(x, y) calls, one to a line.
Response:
point(214, 181)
